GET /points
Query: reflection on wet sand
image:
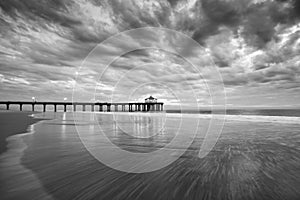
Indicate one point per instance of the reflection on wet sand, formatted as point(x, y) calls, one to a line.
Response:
point(251, 160)
point(17, 181)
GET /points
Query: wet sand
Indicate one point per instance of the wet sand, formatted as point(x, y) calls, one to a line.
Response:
point(16, 180)
point(251, 160)
point(14, 123)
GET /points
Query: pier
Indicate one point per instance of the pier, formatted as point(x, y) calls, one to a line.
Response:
point(94, 106)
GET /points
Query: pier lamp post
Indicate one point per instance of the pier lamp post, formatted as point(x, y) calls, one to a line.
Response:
point(33, 102)
point(65, 105)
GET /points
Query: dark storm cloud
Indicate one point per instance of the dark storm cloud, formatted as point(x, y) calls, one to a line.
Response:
point(217, 13)
point(53, 18)
point(59, 13)
point(257, 21)
point(221, 12)
point(173, 2)
point(52, 10)
point(294, 8)
point(258, 29)
point(262, 18)
point(138, 53)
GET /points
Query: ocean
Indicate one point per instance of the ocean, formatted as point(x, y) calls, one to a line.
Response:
point(114, 156)
point(249, 111)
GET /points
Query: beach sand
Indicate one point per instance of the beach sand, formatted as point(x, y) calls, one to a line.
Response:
point(251, 160)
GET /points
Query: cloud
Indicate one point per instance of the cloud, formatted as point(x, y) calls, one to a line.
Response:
point(254, 44)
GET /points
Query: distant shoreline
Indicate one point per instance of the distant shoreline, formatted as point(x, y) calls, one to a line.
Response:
point(12, 123)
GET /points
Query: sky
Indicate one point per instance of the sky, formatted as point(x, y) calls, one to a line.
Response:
point(55, 49)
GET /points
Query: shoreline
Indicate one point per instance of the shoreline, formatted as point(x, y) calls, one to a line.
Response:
point(13, 123)
point(11, 166)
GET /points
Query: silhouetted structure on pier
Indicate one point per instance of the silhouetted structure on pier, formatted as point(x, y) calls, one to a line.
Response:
point(101, 107)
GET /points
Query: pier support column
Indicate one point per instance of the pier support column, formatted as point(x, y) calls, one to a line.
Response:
point(21, 107)
point(74, 107)
point(55, 107)
point(108, 108)
point(92, 108)
point(83, 108)
point(100, 108)
point(32, 105)
point(116, 108)
point(65, 108)
point(7, 106)
point(44, 107)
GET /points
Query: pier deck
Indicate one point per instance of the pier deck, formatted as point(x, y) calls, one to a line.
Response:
point(95, 106)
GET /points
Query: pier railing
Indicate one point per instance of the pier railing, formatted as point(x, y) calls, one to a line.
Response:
point(95, 106)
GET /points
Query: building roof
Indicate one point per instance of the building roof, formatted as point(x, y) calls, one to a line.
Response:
point(151, 97)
